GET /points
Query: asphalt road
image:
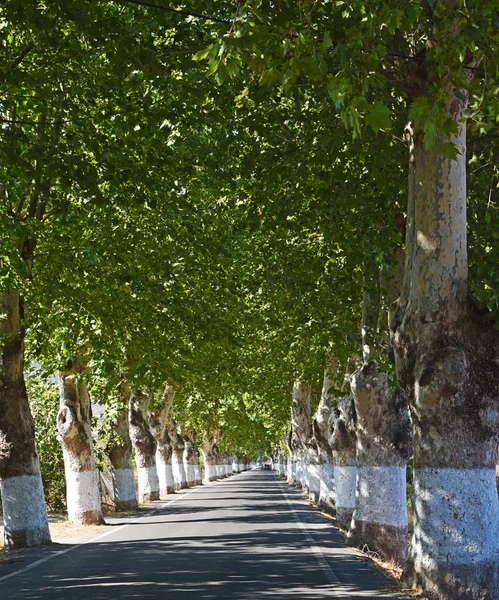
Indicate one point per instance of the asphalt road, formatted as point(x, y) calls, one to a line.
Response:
point(249, 536)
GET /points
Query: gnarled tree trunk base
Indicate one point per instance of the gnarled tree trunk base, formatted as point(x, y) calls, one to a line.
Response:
point(380, 520)
point(148, 484)
point(125, 496)
point(25, 518)
point(345, 478)
point(459, 509)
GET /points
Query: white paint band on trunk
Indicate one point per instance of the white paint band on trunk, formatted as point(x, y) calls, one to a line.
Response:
point(124, 485)
point(327, 484)
point(148, 480)
point(165, 477)
point(179, 474)
point(191, 472)
point(210, 472)
point(314, 478)
point(24, 507)
point(82, 493)
point(345, 486)
point(381, 495)
point(456, 517)
point(235, 467)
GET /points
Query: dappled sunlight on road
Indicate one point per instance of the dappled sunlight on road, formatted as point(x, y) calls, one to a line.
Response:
point(237, 539)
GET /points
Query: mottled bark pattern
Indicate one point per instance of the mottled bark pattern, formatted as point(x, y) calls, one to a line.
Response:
point(446, 360)
point(384, 440)
point(301, 431)
point(343, 445)
point(143, 440)
point(74, 422)
point(159, 422)
point(178, 446)
point(192, 456)
point(321, 433)
point(209, 450)
point(119, 449)
point(18, 455)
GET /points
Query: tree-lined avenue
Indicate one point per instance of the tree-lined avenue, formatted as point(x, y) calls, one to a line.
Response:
point(250, 536)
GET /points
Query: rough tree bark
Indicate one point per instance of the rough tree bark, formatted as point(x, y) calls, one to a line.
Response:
point(25, 516)
point(301, 430)
point(145, 446)
point(159, 424)
point(446, 359)
point(344, 456)
point(192, 466)
point(74, 422)
point(119, 449)
point(383, 438)
point(384, 443)
point(320, 426)
point(209, 450)
point(178, 445)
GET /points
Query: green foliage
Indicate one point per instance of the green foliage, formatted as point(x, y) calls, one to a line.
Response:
point(44, 404)
point(199, 213)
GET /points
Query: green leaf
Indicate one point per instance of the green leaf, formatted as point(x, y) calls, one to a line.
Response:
point(202, 54)
point(327, 42)
point(420, 108)
point(378, 117)
point(430, 135)
point(448, 149)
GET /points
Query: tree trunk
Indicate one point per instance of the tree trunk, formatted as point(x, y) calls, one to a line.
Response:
point(301, 431)
point(145, 446)
point(25, 516)
point(235, 464)
point(446, 360)
point(321, 430)
point(209, 449)
point(344, 457)
point(178, 445)
point(74, 422)
point(383, 439)
point(192, 466)
point(159, 424)
point(119, 449)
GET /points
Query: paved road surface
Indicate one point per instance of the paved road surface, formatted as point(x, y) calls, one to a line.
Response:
point(247, 537)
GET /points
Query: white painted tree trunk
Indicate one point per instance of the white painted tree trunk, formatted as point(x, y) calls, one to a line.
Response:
point(327, 489)
point(210, 454)
point(344, 456)
point(384, 445)
point(125, 495)
point(314, 481)
point(210, 469)
point(164, 466)
point(289, 469)
point(446, 359)
point(179, 474)
point(159, 424)
point(301, 432)
point(191, 459)
point(145, 447)
point(119, 449)
point(74, 422)
point(24, 514)
point(321, 427)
